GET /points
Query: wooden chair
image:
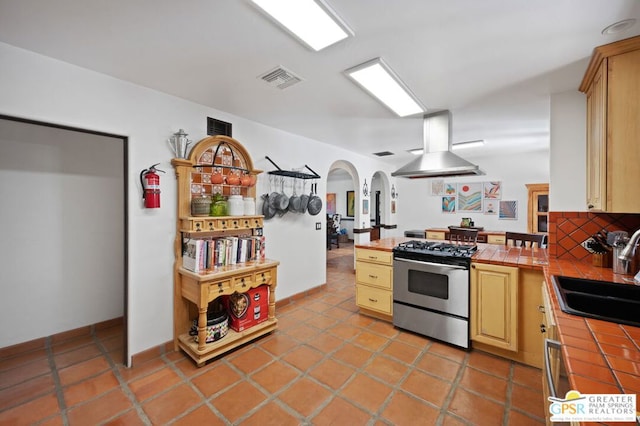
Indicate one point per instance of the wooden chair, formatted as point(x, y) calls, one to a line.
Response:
point(463, 235)
point(332, 235)
point(518, 239)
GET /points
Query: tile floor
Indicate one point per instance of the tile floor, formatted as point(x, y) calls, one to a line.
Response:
point(325, 365)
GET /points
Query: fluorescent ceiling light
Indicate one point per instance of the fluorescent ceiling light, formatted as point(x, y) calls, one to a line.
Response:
point(467, 144)
point(313, 22)
point(456, 146)
point(380, 81)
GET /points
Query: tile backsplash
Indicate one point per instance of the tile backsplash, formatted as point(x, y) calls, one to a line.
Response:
point(567, 230)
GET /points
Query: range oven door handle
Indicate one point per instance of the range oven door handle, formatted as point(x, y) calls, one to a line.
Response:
point(439, 265)
point(548, 343)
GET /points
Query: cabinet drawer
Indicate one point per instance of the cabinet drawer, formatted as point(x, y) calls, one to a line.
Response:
point(434, 235)
point(496, 239)
point(376, 275)
point(373, 298)
point(377, 256)
point(264, 277)
point(243, 282)
point(218, 287)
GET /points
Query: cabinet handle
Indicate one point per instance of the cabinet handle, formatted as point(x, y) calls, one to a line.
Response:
point(590, 206)
point(473, 266)
point(541, 309)
point(373, 300)
point(373, 257)
point(375, 277)
point(543, 328)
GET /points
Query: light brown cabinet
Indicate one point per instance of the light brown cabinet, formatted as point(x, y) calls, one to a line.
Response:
point(612, 86)
point(505, 318)
point(538, 208)
point(494, 305)
point(374, 283)
point(193, 292)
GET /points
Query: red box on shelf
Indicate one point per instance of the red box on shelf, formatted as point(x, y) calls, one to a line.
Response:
point(247, 309)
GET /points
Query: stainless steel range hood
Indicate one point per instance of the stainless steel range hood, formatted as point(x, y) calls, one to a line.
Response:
point(437, 159)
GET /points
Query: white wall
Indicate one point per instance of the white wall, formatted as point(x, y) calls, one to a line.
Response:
point(514, 171)
point(568, 183)
point(44, 89)
point(62, 227)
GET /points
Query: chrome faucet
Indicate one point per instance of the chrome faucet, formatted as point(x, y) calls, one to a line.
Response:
point(630, 249)
point(628, 252)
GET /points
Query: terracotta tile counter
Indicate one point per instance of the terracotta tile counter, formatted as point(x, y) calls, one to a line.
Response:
point(600, 356)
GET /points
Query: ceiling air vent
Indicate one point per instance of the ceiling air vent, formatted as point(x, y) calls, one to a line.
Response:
point(280, 78)
point(218, 127)
point(383, 153)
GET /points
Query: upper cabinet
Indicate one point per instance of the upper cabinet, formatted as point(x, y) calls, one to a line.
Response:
point(612, 86)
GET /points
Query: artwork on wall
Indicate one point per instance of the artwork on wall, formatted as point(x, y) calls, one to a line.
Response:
point(393, 206)
point(365, 206)
point(437, 187)
point(448, 204)
point(490, 206)
point(508, 210)
point(331, 203)
point(493, 190)
point(351, 204)
point(450, 189)
point(470, 197)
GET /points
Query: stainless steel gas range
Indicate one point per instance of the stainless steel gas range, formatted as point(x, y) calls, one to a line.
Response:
point(431, 289)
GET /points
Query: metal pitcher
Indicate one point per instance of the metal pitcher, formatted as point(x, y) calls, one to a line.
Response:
point(179, 144)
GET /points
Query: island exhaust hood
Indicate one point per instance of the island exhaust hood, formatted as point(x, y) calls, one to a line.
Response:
point(437, 160)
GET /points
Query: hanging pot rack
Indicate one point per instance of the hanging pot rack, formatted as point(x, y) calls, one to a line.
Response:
point(291, 173)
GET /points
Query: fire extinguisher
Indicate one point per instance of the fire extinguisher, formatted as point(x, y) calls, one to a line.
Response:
point(150, 181)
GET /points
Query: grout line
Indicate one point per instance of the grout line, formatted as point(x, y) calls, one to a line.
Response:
point(124, 387)
point(57, 383)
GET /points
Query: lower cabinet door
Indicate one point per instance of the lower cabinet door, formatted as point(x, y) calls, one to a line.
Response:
point(494, 305)
point(373, 298)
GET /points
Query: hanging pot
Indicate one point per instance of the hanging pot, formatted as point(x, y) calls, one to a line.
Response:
point(282, 203)
point(315, 203)
point(304, 199)
point(294, 200)
point(267, 210)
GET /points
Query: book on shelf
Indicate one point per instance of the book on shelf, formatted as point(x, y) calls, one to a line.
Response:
point(193, 255)
point(201, 254)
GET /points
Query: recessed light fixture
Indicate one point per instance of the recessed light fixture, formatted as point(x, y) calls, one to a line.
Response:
point(312, 22)
point(619, 26)
point(380, 81)
point(467, 144)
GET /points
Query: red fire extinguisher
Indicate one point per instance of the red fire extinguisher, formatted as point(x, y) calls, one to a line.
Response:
point(150, 181)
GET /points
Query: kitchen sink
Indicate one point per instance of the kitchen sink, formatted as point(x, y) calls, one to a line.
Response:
point(604, 300)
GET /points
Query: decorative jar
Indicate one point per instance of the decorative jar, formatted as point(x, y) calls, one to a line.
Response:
point(235, 205)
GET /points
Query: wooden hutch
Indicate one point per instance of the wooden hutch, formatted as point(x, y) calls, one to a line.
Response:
point(194, 291)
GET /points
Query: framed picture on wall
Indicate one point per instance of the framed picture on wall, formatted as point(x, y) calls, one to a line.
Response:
point(365, 206)
point(331, 203)
point(351, 204)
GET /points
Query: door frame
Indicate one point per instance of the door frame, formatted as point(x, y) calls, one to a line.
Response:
point(125, 168)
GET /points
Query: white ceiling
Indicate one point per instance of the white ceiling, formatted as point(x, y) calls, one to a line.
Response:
point(491, 62)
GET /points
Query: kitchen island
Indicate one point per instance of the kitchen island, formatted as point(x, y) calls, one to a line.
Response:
point(600, 356)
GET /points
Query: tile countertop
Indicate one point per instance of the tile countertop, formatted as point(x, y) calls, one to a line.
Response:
point(600, 356)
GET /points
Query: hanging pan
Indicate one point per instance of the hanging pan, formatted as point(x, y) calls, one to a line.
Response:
point(315, 203)
point(268, 211)
point(294, 200)
point(304, 199)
